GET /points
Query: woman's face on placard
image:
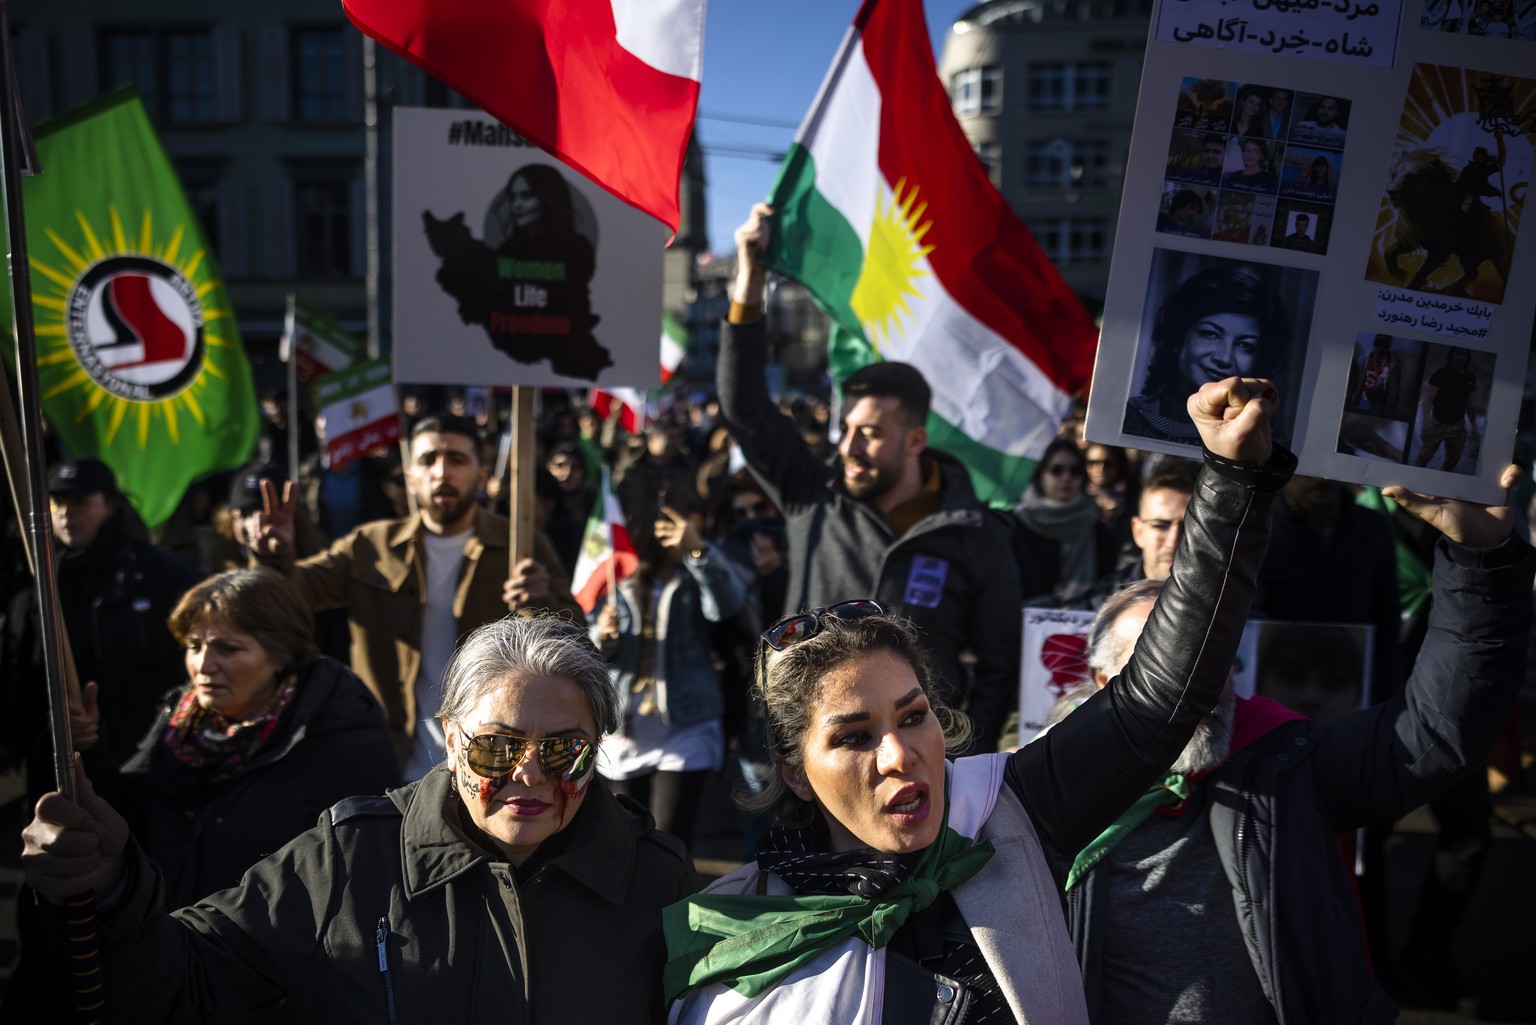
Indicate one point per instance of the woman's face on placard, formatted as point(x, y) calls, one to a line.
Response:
point(527, 209)
point(1219, 346)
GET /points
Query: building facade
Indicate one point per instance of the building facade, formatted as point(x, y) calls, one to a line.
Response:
point(1045, 91)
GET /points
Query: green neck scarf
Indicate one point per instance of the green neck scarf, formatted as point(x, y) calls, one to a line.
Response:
point(1171, 792)
point(750, 942)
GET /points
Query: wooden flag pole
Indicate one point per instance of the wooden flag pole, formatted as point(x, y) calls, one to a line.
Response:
point(79, 911)
point(522, 497)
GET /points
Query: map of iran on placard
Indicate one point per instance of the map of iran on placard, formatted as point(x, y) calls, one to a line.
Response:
point(512, 269)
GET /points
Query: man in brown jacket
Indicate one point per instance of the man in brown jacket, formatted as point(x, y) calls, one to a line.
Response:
point(413, 587)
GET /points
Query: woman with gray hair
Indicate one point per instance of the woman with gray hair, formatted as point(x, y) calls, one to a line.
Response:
point(491, 887)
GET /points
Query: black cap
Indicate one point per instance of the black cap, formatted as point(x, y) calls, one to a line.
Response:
point(245, 489)
point(81, 478)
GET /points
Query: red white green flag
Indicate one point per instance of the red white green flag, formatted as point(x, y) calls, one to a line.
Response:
point(889, 219)
point(674, 346)
point(359, 410)
point(321, 345)
point(630, 403)
point(607, 554)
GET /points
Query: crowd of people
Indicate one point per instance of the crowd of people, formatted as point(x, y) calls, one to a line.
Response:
point(507, 785)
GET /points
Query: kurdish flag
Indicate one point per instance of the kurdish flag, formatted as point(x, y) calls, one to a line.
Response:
point(674, 346)
point(358, 406)
point(607, 554)
point(886, 215)
point(139, 361)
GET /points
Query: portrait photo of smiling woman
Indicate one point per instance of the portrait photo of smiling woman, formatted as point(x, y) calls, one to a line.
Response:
point(1207, 319)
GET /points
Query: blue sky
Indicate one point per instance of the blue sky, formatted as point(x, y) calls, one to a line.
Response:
point(764, 62)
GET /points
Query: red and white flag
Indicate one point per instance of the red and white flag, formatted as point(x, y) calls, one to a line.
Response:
point(608, 86)
point(607, 555)
point(631, 403)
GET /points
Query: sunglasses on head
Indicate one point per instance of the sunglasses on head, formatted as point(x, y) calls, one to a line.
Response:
point(794, 629)
point(492, 755)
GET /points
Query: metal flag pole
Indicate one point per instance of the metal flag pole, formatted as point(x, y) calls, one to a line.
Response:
point(79, 913)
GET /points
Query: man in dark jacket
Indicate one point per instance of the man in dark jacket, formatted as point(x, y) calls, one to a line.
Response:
point(1232, 902)
point(1155, 529)
point(891, 519)
point(115, 590)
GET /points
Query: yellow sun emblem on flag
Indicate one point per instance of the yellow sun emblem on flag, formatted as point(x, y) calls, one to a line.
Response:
point(131, 323)
point(892, 263)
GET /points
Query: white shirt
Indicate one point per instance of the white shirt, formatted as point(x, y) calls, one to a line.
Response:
point(439, 637)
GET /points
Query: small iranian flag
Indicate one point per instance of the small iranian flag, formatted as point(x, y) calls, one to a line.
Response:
point(607, 556)
point(630, 402)
point(886, 215)
point(674, 346)
point(358, 405)
point(321, 343)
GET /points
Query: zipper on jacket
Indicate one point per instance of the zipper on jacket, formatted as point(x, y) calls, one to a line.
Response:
point(381, 938)
point(1243, 838)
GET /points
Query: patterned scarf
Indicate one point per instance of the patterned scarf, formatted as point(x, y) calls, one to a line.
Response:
point(751, 941)
point(196, 738)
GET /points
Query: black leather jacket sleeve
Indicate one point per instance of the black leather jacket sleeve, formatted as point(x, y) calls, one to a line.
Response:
point(1082, 775)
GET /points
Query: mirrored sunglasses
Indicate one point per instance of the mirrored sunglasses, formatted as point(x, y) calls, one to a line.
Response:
point(794, 629)
point(491, 755)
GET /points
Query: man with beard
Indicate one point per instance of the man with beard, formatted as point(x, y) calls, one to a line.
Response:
point(412, 587)
point(888, 518)
point(1222, 895)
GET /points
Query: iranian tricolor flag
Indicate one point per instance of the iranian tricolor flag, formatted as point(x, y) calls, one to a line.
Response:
point(320, 343)
point(607, 555)
point(889, 219)
point(358, 405)
point(674, 346)
point(630, 403)
point(608, 86)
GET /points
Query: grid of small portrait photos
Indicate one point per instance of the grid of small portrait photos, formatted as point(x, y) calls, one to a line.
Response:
point(1254, 164)
point(1416, 403)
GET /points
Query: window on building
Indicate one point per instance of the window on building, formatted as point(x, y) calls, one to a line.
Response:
point(1066, 164)
point(991, 156)
point(1055, 87)
point(322, 200)
point(200, 181)
point(319, 76)
point(171, 68)
point(1073, 242)
point(977, 91)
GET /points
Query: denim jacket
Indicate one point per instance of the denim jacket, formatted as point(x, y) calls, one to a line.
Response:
point(703, 591)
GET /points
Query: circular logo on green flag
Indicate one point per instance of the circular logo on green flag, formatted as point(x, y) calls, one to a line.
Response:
point(136, 326)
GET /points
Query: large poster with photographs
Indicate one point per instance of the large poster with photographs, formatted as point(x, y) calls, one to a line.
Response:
point(1253, 164)
point(1207, 318)
point(1374, 190)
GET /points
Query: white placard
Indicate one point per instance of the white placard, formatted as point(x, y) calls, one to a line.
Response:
point(512, 269)
point(1052, 662)
point(1280, 213)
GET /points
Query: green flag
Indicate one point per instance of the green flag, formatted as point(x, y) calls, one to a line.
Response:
point(138, 357)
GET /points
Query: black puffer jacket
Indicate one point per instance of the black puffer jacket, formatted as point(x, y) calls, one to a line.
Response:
point(387, 912)
point(204, 835)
